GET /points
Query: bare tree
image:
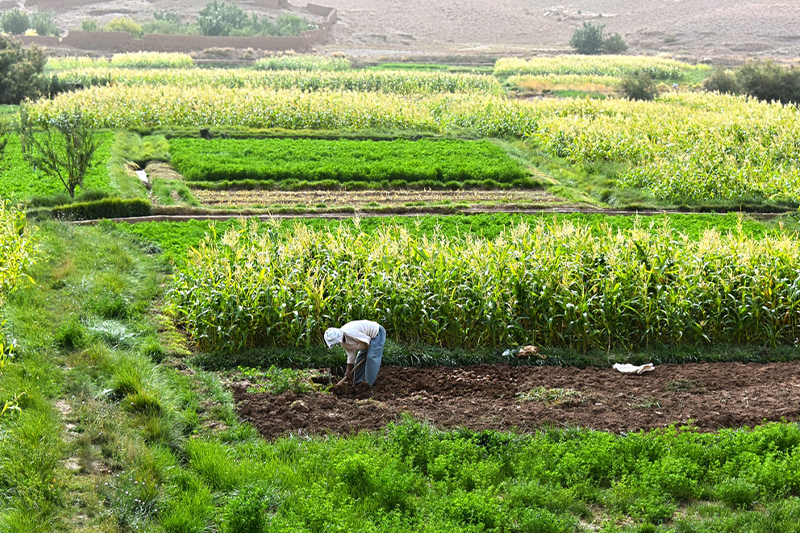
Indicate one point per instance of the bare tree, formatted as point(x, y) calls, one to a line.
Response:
point(62, 146)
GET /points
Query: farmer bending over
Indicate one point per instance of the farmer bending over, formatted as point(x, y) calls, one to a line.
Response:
point(363, 341)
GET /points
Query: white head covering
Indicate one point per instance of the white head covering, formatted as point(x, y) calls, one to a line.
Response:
point(333, 336)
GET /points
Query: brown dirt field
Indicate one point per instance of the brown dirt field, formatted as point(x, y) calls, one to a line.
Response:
point(333, 199)
point(695, 28)
point(709, 396)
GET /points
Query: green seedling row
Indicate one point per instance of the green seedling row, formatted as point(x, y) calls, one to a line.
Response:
point(547, 284)
point(343, 160)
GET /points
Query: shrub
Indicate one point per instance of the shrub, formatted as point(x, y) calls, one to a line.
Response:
point(638, 87)
point(613, 44)
point(769, 81)
point(588, 39)
point(108, 208)
point(737, 493)
point(43, 23)
point(219, 18)
point(20, 71)
point(290, 25)
point(246, 512)
point(722, 81)
point(89, 25)
point(15, 21)
point(125, 24)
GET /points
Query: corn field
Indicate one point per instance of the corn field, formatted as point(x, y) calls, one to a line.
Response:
point(553, 284)
point(152, 60)
point(400, 82)
point(658, 68)
point(683, 147)
point(161, 60)
point(302, 62)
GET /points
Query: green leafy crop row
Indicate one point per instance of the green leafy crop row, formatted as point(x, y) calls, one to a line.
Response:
point(343, 160)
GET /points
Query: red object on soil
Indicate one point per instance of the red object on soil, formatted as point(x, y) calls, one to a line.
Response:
point(710, 395)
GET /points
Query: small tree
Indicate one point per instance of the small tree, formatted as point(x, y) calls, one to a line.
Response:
point(638, 87)
point(43, 23)
point(219, 18)
point(20, 71)
point(63, 146)
point(125, 24)
point(15, 21)
point(721, 81)
point(613, 44)
point(588, 39)
point(769, 81)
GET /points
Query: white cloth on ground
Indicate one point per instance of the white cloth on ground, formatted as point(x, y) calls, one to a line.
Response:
point(634, 369)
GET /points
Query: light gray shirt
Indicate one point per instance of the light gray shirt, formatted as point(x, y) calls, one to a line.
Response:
point(357, 336)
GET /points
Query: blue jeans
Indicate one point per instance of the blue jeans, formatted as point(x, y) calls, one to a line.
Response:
point(369, 371)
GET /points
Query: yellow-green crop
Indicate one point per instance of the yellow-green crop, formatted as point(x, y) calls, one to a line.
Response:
point(658, 68)
point(548, 284)
point(16, 247)
point(400, 82)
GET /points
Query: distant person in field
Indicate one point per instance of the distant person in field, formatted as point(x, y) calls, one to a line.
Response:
point(363, 342)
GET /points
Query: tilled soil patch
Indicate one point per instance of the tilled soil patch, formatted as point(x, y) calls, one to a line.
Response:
point(709, 396)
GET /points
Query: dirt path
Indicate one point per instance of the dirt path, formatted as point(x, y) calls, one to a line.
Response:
point(710, 395)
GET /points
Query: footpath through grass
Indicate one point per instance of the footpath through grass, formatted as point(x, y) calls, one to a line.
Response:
point(119, 430)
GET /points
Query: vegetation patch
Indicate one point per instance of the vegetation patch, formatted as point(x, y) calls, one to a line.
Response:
point(658, 68)
point(397, 163)
point(556, 396)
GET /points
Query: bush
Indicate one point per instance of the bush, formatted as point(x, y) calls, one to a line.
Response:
point(89, 25)
point(769, 81)
point(588, 39)
point(108, 208)
point(43, 23)
point(291, 25)
point(15, 21)
point(125, 24)
point(246, 512)
point(219, 18)
point(638, 87)
point(721, 81)
point(20, 71)
point(737, 493)
point(613, 44)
